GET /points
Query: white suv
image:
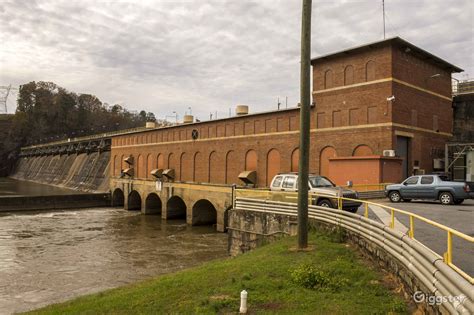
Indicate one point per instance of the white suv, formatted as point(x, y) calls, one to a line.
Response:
point(320, 185)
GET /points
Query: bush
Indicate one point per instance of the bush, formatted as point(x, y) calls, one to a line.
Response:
point(309, 277)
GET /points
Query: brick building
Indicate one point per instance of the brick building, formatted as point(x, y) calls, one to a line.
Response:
point(388, 95)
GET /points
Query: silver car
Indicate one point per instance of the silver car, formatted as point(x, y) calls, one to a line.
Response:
point(325, 190)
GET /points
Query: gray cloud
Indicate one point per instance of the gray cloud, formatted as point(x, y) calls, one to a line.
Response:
point(210, 55)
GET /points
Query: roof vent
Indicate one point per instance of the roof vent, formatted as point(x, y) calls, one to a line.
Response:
point(248, 177)
point(168, 173)
point(150, 124)
point(241, 110)
point(128, 171)
point(188, 119)
point(158, 173)
point(128, 160)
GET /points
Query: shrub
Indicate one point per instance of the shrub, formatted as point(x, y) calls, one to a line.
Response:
point(309, 277)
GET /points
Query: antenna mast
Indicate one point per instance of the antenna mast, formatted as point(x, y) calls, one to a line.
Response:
point(383, 16)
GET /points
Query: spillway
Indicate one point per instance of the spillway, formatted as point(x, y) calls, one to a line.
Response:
point(79, 171)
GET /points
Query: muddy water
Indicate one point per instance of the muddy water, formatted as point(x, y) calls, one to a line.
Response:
point(54, 256)
point(13, 187)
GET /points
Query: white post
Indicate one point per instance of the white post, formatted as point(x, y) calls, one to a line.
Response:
point(243, 302)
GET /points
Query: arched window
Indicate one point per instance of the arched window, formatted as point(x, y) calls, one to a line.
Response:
point(140, 166)
point(215, 174)
point(199, 169)
point(149, 165)
point(159, 161)
point(328, 79)
point(114, 166)
point(324, 156)
point(295, 160)
point(251, 160)
point(171, 162)
point(273, 164)
point(349, 75)
point(370, 71)
point(362, 150)
point(231, 168)
point(185, 167)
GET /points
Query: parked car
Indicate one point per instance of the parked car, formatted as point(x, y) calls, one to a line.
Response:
point(320, 185)
point(430, 187)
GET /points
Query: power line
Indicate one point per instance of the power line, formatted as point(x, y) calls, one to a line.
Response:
point(4, 92)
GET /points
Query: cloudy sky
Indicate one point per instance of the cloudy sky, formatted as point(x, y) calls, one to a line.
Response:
point(210, 55)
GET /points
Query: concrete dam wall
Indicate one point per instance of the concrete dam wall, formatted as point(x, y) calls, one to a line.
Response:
point(79, 171)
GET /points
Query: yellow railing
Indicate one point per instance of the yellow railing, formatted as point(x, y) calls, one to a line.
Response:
point(338, 200)
point(367, 187)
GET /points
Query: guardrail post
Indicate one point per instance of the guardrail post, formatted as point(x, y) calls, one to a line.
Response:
point(411, 233)
point(366, 213)
point(448, 256)
point(392, 220)
point(339, 202)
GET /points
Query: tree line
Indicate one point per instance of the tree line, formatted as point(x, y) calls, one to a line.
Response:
point(47, 112)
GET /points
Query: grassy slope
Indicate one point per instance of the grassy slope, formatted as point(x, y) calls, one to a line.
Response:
point(264, 273)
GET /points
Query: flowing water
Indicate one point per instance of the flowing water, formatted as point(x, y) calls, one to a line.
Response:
point(48, 257)
point(83, 171)
point(13, 187)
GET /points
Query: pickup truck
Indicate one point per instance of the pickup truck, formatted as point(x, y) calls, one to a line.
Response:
point(430, 187)
point(325, 190)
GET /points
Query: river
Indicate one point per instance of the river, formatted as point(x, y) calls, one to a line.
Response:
point(49, 257)
point(13, 187)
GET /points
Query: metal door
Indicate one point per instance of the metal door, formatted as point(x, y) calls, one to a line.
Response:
point(402, 151)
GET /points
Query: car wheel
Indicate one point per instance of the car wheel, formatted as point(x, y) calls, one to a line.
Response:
point(458, 201)
point(446, 198)
point(325, 203)
point(394, 196)
point(406, 200)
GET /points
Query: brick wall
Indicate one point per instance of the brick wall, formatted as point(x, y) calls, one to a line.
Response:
point(350, 91)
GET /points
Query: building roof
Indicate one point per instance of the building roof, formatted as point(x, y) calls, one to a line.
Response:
point(421, 53)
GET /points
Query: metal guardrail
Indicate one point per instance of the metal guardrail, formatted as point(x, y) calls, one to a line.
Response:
point(426, 265)
point(85, 138)
point(292, 197)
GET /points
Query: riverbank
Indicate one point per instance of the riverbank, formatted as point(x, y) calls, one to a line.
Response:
point(330, 279)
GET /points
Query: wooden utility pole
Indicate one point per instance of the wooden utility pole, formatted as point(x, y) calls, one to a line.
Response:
point(305, 99)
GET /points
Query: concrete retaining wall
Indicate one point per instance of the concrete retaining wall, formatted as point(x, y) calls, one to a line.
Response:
point(17, 203)
point(249, 229)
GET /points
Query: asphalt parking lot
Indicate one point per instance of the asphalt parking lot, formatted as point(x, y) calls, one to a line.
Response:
point(459, 217)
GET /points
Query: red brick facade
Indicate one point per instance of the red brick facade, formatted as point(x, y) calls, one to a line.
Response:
point(352, 117)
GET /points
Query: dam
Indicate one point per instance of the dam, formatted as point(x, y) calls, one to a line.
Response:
point(72, 174)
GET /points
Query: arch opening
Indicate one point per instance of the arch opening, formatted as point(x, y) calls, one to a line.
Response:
point(176, 208)
point(324, 156)
point(362, 150)
point(134, 201)
point(118, 198)
point(204, 213)
point(153, 204)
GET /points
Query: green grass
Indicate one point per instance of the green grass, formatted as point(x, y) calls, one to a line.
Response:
point(271, 275)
